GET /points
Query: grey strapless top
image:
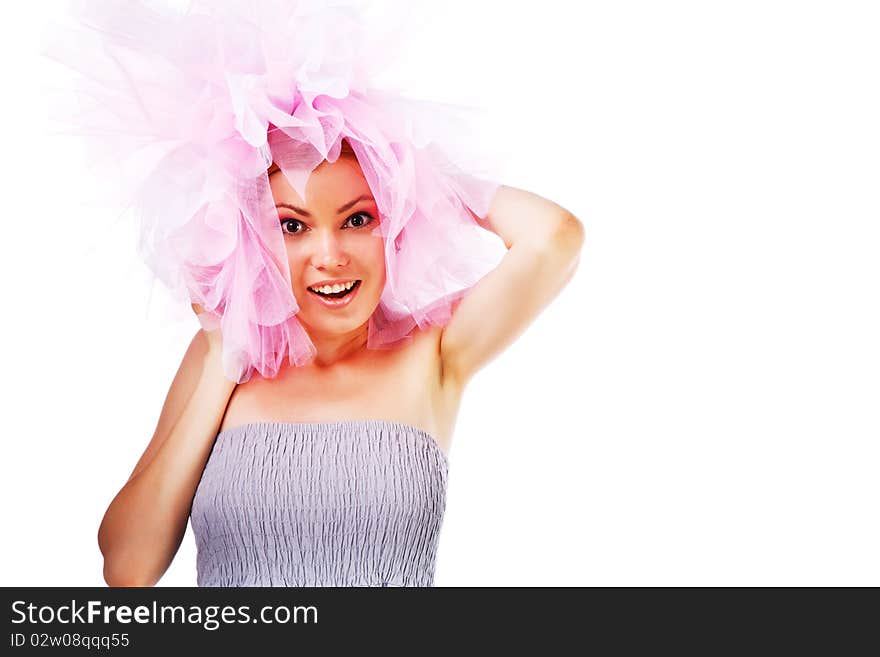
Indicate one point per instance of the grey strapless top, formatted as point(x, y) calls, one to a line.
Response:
point(347, 503)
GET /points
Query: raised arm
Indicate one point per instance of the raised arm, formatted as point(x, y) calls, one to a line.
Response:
point(146, 521)
point(544, 242)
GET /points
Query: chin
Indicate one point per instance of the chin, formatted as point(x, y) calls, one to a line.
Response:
point(336, 321)
point(332, 324)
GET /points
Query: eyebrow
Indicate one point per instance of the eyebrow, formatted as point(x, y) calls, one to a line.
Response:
point(306, 213)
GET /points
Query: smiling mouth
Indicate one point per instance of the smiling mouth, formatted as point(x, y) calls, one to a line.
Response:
point(336, 295)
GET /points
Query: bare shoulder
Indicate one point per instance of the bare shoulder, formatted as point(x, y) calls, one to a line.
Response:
point(419, 356)
point(429, 348)
point(446, 390)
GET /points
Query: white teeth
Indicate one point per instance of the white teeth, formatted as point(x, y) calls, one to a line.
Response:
point(327, 289)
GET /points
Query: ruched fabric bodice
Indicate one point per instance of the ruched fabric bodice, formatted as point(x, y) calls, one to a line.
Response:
point(347, 503)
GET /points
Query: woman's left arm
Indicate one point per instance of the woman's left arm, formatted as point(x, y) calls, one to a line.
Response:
point(544, 242)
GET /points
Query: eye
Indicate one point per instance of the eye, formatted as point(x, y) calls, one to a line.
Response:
point(284, 223)
point(367, 219)
point(362, 218)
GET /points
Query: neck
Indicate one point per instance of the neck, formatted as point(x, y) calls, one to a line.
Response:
point(334, 348)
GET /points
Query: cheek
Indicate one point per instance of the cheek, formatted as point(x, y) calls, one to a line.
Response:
point(297, 262)
point(369, 254)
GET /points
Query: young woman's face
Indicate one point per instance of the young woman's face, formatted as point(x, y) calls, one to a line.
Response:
point(329, 236)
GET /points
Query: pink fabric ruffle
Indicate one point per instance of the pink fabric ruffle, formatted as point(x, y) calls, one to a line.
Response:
point(189, 108)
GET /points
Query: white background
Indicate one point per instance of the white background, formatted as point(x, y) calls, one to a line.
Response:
point(698, 407)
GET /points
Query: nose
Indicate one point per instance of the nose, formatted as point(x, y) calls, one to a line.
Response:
point(328, 252)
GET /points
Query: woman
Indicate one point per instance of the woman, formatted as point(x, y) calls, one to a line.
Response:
point(344, 296)
point(416, 387)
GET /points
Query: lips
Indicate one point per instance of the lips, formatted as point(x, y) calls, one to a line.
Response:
point(330, 302)
point(340, 281)
point(347, 288)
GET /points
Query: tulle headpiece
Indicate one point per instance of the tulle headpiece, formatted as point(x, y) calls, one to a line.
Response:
point(190, 107)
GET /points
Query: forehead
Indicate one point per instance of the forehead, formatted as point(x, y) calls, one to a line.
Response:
point(329, 185)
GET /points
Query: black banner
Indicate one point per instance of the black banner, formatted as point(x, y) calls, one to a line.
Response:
point(135, 621)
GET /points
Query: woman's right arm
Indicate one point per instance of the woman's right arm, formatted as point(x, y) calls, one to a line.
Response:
point(146, 521)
